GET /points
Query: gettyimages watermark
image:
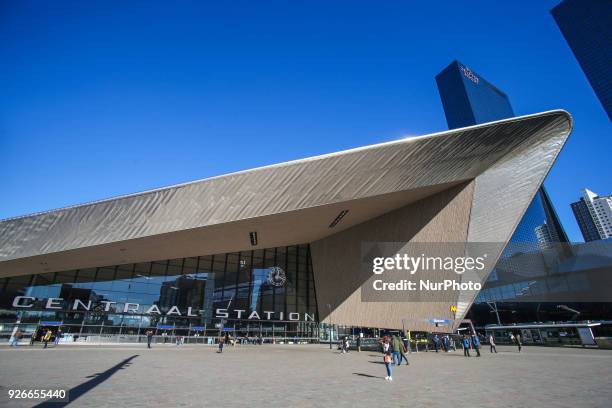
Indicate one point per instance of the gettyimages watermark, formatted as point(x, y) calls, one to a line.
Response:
point(425, 272)
point(516, 272)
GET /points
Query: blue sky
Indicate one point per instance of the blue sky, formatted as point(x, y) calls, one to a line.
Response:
point(107, 98)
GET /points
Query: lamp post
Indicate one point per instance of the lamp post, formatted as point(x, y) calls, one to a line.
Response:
point(330, 327)
point(493, 306)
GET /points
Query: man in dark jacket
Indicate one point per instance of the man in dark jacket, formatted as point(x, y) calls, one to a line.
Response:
point(476, 343)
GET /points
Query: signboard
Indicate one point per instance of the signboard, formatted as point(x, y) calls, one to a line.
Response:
point(275, 278)
point(165, 327)
point(50, 323)
point(438, 322)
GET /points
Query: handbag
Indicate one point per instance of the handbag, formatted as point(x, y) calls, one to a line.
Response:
point(387, 358)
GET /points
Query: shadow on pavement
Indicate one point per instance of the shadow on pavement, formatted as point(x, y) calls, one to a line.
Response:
point(96, 379)
point(367, 375)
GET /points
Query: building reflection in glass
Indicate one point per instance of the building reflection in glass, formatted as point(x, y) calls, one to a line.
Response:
point(114, 300)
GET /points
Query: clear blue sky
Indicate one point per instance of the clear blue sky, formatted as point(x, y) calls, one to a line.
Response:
point(106, 98)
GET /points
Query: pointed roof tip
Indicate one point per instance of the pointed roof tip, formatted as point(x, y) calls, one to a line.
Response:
point(554, 112)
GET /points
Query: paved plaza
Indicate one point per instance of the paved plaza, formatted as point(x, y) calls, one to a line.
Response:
point(306, 376)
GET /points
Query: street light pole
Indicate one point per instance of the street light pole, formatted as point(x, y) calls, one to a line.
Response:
point(494, 308)
point(330, 327)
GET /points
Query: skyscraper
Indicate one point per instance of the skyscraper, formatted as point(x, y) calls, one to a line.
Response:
point(587, 28)
point(594, 215)
point(469, 99)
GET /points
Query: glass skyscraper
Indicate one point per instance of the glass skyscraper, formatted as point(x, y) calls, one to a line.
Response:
point(469, 99)
point(587, 28)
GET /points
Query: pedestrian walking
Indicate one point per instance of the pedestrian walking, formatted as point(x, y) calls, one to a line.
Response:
point(436, 342)
point(518, 342)
point(58, 336)
point(47, 337)
point(359, 343)
point(403, 355)
point(466, 346)
point(149, 334)
point(397, 346)
point(387, 359)
point(406, 344)
point(476, 344)
point(492, 343)
point(14, 341)
point(221, 342)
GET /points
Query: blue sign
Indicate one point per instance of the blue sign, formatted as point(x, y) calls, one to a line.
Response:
point(165, 327)
point(438, 321)
point(197, 328)
point(50, 323)
point(229, 328)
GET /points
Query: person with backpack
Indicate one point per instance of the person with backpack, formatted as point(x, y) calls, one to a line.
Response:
point(397, 346)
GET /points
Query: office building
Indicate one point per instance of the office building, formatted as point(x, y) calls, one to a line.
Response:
point(594, 215)
point(587, 28)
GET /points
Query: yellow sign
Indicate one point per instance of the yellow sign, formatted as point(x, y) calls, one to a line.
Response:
point(453, 308)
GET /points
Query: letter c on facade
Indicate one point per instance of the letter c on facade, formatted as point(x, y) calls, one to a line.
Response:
point(18, 299)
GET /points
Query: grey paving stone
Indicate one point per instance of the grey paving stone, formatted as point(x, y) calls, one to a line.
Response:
point(306, 376)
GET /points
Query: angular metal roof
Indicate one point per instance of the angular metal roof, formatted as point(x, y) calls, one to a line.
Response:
point(293, 201)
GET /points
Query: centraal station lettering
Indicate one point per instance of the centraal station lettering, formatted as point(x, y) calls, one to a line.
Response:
point(135, 308)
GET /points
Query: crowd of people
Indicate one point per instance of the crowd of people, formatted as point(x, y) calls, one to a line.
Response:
point(394, 348)
point(394, 351)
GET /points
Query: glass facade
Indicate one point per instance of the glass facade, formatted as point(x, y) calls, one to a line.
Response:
point(566, 282)
point(587, 28)
point(539, 276)
point(538, 229)
point(265, 292)
point(585, 221)
point(468, 99)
